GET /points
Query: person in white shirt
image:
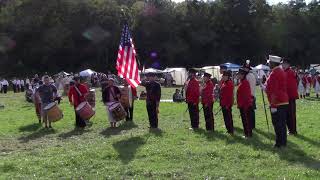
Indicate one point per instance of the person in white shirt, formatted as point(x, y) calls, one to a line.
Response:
point(14, 85)
point(252, 81)
point(28, 83)
point(18, 84)
point(5, 85)
point(22, 85)
point(1, 89)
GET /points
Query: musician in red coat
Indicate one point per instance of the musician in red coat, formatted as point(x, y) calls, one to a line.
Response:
point(192, 98)
point(276, 89)
point(77, 94)
point(207, 102)
point(226, 100)
point(245, 101)
point(292, 90)
point(309, 83)
point(316, 84)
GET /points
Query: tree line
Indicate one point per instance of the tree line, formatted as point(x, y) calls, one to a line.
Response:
point(49, 36)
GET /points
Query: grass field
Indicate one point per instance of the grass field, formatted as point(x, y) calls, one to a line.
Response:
point(27, 151)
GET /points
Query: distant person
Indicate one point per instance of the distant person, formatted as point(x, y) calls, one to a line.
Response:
point(276, 89)
point(153, 89)
point(14, 85)
point(207, 102)
point(47, 93)
point(192, 98)
point(301, 85)
point(245, 101)
point(28, 83)
point(37, 102)
point(5, 85)
point(292, 91)
point(22, 85)
point(316, 84)
point(226, 100)
point(177, 96)
point(309, 83)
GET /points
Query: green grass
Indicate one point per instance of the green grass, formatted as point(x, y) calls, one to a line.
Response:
point(27, 151)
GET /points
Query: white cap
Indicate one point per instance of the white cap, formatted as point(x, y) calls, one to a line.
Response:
point(275, 59)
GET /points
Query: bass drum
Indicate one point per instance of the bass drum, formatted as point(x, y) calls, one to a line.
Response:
point(53, 112)
point(117, 111)
point(85, 111)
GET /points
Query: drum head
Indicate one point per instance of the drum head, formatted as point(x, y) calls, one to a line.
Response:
point(80, 106)
point(49, 106)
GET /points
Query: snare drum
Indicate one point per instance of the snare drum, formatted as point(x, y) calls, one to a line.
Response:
point(85, 111)
point(117, 111)
point(53, 112)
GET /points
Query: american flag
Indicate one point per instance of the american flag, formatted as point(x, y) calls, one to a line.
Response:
point(126, 63)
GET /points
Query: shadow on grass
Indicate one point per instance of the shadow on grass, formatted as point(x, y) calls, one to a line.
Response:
point(30, 127)
point(74, 132)
point(156, 132)
point(127, 149)
point(312, 142)
point(292, 153)
point(36, 135)
point(115, 131)
point(312, 99)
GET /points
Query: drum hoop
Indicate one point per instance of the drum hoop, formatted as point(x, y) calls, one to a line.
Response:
point(49, 106)
point(79, 107)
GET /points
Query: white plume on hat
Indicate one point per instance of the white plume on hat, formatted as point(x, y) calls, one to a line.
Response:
point(273, 58)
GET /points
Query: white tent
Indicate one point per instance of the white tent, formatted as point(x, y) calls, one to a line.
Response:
point(179, 75)
point(86, 73)
point(262, 67)
point(213, 70)
point(151, 70)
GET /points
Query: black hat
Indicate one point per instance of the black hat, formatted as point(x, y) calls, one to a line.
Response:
point(76, 78)
point(227, 73)
point(285, 60)
point(247, 65)
point(243, 71)
point(151, 74)
point(192, 71)
point(207, 75)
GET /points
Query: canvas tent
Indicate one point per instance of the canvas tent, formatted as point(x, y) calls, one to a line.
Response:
point(213, 70)
point(179, 75)
point(62, 73)
point(86, 73)
point(151, 70)
point(231, 66)
point(262, 67)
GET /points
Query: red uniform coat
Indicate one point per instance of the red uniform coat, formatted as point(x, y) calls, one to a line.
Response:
point(309, 80)
point(304, 81)
point(244, 96)
point(315, 79)
point(292, 89)
point(276, 88)
point(226, 94)
point(207, 93)
point(193, 91)
point(74, 95)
